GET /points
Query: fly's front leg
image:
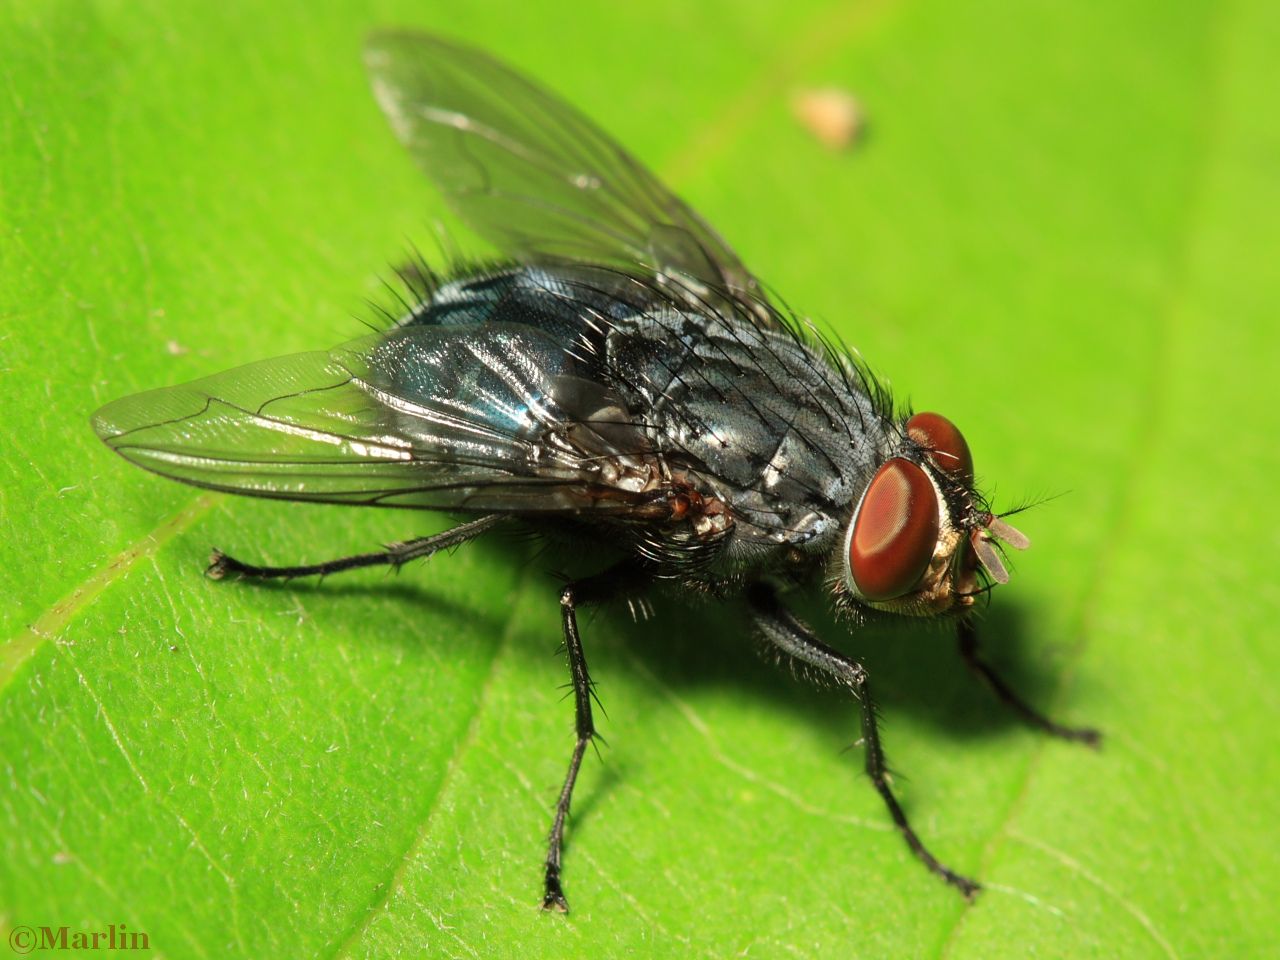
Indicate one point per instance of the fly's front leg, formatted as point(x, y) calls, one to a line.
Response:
point(967, 634)
point(781, 628)
point(612, 583)
point(395, 555)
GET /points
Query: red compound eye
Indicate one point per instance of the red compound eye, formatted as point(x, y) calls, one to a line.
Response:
point(895, 533)
point(945, 443)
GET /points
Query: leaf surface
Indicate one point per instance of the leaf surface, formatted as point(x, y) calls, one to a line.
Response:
point(1060, 231)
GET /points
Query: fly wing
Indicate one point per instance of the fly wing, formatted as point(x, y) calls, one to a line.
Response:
point(488, 419)
point(538, 179)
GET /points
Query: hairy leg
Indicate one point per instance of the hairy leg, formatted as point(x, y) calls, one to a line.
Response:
point(615, 582)
point(395, 555)
point(967, 634)
point(781, 628)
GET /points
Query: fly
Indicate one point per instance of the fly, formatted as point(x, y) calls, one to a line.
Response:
point(621, 376)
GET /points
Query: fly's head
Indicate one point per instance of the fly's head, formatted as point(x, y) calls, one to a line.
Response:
point(920, 533)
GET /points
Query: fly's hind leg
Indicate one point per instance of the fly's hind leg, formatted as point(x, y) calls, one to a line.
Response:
point(395, 555)
point(781, 628)
point(614, 582)
point(967, 634)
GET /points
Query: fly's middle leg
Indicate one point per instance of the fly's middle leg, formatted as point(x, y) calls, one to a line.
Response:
point(605, 586)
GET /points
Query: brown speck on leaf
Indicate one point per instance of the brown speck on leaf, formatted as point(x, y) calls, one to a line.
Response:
point(832, 115)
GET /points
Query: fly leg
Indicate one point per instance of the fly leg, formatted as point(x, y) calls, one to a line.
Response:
point(781, 628)
point(615, 582)
point(967, 634)
point(395, 555)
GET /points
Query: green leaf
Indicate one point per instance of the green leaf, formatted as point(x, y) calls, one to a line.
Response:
point(1061, 231)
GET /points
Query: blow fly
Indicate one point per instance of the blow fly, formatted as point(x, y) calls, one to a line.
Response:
point(619, 375)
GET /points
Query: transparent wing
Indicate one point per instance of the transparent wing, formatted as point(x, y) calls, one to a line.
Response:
point(492, 421)
point(537, 178)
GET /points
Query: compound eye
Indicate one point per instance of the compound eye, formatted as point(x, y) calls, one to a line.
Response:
point(945, 443)
point(895, 533)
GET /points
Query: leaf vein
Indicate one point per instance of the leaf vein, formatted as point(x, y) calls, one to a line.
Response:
point(1150, 426)
point(395, 882)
